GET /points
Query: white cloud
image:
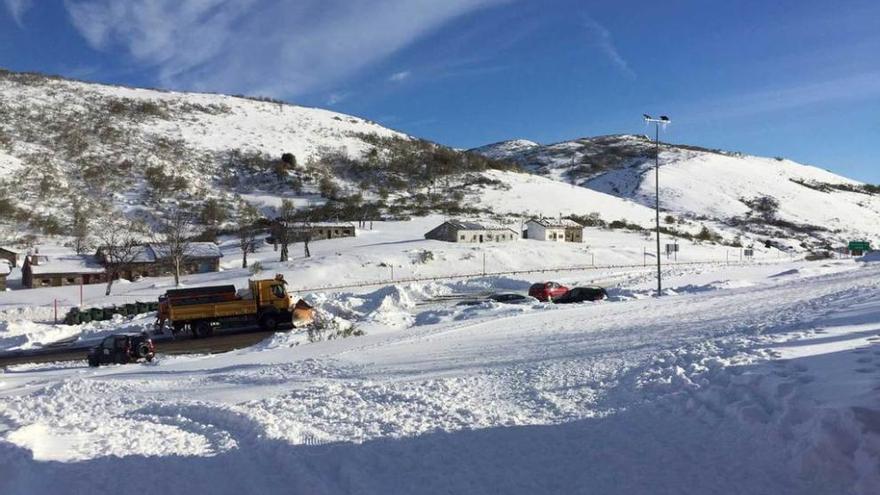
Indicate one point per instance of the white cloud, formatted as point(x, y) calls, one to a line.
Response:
point(603, 39)
point(852, 87)
point(399, 76)
point(337, 97)
point(276, 48)
point(17, 9)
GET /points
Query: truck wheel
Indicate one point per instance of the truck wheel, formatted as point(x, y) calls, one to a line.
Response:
point(203, 329)
point(269, 322)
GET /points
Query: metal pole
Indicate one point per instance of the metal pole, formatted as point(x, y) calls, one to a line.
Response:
point(484, 263)
point(657, 202)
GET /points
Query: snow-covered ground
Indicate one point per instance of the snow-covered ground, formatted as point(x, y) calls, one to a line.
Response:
point(390, 251)
point(759, 378)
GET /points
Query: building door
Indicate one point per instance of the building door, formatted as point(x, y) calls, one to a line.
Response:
point(481, 237)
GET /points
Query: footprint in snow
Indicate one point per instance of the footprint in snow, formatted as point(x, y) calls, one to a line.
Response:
point(806, 378)
point(866, 359)
point(865, 370)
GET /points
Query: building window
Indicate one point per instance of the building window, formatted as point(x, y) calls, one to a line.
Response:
point(45, 282)
point(71, 280)
point(461, 238)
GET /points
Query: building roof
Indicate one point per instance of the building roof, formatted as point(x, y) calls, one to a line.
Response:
point(10, 250)
point(64, 264)
point(466, 225)
point(556, 223)
point(193, 250)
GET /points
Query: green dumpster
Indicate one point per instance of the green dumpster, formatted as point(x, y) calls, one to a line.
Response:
point(131, 309)
point(154, 305)
point(97, 314)
point(72, 317)
point(142, 307)
point(85, 316)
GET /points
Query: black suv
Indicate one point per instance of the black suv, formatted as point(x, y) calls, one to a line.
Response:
point(122, 349)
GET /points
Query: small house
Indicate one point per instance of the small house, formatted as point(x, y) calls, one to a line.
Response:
point(5, 270)
point(10, 254)
point(554, 230)
point(151, 260)
point(471, 232)
point(325, 230)
point(54, 271)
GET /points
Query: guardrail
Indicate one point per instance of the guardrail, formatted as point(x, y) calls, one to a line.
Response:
point(406, 280)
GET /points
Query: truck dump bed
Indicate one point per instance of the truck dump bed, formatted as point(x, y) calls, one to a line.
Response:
point(213, 310)
point(200, 295)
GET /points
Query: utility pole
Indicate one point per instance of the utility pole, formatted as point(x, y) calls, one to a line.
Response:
point(663, 120)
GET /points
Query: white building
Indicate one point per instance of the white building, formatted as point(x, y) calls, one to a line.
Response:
point(553, 230)
point(471, 232)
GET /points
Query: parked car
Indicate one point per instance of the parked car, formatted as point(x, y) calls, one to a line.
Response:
point(581, 294)
point(122, 349)
point(512, 298)
point(547, 291)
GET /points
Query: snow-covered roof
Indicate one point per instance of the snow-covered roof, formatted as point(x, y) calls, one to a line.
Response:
point(193, 250)
point(66, 263)
point(10, 249)
point(467, 225)
point(556, 223)
point(339, 225)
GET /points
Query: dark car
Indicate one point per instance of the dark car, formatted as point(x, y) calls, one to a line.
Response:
point(547, 291)
point(581, 294)
point(122, 349)
point(511, 298)
point(506, 298)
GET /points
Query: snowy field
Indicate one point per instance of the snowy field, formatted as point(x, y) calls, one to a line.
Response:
point(753, 379)
point(366, 267)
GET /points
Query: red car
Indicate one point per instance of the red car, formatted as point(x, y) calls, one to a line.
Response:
point(546, 291)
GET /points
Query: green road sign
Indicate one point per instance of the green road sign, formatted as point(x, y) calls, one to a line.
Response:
point(859, 246)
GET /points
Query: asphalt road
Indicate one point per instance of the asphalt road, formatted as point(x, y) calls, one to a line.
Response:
point(224, 342)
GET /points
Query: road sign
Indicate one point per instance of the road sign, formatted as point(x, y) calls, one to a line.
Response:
point(859, 246)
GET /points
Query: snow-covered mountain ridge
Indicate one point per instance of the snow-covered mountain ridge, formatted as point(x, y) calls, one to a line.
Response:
point(772, 197)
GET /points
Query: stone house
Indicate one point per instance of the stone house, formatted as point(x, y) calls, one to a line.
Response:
point(5, 270)
point(471, 232)
point(10, 254)
point(54, 271)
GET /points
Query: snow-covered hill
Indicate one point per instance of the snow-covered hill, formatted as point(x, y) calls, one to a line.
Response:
point(769, 197)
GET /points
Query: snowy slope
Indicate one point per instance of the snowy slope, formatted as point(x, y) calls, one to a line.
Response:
point(814, 205)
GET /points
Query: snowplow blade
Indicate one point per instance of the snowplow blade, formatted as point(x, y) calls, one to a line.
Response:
point(303, 314)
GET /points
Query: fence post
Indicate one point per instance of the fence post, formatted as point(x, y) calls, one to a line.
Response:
point(56, 311)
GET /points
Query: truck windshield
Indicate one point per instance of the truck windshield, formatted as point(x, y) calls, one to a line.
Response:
point(278, 290)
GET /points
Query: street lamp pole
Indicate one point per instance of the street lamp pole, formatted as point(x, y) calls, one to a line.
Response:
point(663, 120)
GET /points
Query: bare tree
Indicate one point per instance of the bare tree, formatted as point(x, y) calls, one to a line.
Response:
point(246, 230)
point(303, 229)
point(80, 228)
point(119, 244)
point(173, 233)
point(282, 227)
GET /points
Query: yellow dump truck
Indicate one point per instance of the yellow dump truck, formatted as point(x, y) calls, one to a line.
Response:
point(201, 310)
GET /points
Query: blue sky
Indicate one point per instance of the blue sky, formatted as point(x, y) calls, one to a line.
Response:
point(793, 78)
